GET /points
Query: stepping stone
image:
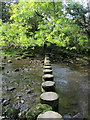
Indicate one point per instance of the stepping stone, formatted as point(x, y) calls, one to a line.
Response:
point(47, 64)
point(50, 98)
point(47, 71)
point(48, 77)
point(46, 60)
point(49, 114)
point(48, 86)
point(47, 67)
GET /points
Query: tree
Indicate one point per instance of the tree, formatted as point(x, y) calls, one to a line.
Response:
point(80, 15)
point(4, 12)
point(42, 24)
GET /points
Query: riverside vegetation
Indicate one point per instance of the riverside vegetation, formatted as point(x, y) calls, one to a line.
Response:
point(30, 27)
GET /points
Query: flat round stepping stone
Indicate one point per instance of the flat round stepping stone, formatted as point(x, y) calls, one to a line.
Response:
point(47, 67)
point(46, 61)
point(50, 114)
point(47, 71)
point(47, 54)
point(50, 98)
point(48, 86)
point(48, 77)
point(47, 64)
point(47, 57)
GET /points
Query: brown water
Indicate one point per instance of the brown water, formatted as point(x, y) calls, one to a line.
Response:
point(71, 85)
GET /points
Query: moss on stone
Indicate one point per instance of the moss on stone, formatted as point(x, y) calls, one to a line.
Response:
point(36, 110)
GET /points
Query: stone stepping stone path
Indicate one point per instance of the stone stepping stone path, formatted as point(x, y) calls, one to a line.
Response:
point(49, 96)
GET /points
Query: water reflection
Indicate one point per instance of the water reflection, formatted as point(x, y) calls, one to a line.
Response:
point(72, 87)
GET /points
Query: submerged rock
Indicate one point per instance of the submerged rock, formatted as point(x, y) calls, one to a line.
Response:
point(17, 105)
point(8, 72)
point(19, 94)
point(67, 117)
point(18, 58)
point(2, 67)
point(11, 88)
point(78, 116)
point(23, 113)
point(22, 101)
point(17, 69)
point(6, 102)
point(9, 61)
point(30, 91)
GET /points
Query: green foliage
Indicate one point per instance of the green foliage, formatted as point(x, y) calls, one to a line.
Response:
point(36, 110)
point(76, 9)
point(4, 11)
point(38, 23)
point(80, 15)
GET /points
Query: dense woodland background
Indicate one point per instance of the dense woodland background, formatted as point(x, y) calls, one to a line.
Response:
point(33, 27)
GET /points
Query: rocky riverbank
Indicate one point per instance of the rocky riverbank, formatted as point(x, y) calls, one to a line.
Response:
point(20, 76)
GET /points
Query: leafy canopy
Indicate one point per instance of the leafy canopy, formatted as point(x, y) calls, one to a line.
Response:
point(37, 23)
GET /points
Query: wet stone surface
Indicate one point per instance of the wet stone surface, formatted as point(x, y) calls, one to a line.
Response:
point(6, 102)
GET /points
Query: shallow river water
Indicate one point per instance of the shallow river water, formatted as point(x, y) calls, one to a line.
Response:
point(72, 87)
point(21, 80)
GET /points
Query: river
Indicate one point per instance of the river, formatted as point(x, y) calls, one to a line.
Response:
point(21, 86)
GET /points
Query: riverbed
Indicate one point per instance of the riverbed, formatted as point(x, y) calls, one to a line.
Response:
point(21, 86)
